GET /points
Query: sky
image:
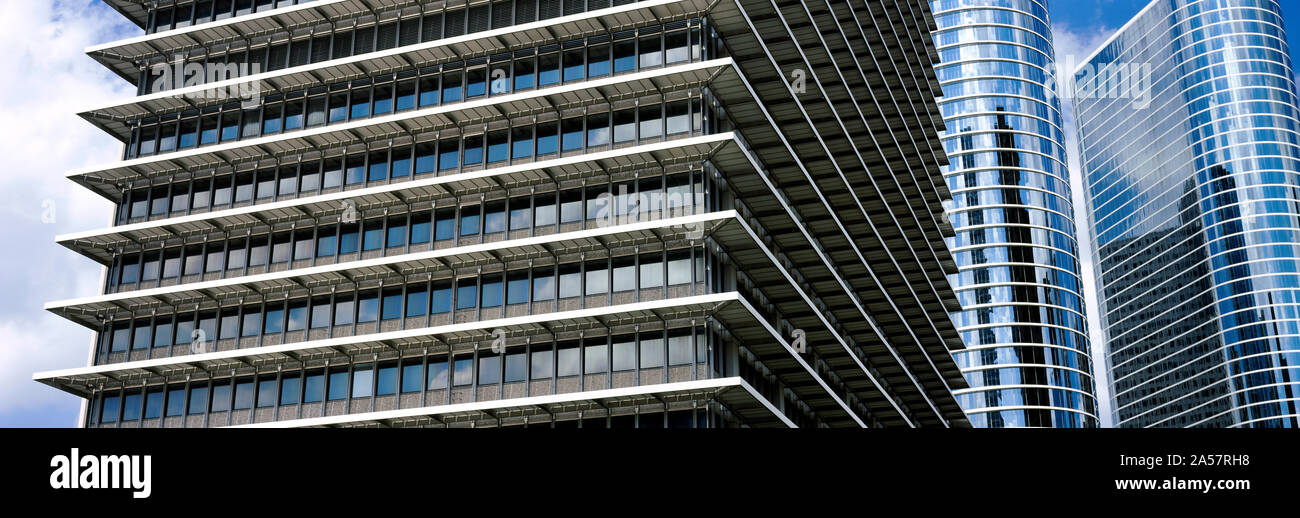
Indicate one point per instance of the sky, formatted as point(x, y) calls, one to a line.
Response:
point(49, 79)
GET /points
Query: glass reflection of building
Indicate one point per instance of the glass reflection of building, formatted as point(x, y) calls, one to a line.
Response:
point(1027, 359)
point(542, 213)
point(1193, 173)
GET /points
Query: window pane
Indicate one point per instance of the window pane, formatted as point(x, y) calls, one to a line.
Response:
point(437, 375)
point(289, 387)
point(412, 377)
point(624, 353)
point(386, 381)
point(363, 378)
point(244, 394)
point(489, 370)
point(266, 393)
point(314, 388)
point(543, 364)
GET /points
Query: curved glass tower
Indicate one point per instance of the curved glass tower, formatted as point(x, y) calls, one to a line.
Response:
point(1027, 358)
point(1191, 144)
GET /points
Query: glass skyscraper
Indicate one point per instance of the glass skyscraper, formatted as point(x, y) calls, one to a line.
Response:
point(1189, 131)
point(542, 213)
point(1027, 356)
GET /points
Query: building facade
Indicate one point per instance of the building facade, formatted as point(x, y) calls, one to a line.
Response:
point(1027, 358)
point(536, 213)
point(1189, 124)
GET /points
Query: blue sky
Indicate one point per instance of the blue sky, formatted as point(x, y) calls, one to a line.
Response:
point(50, 79)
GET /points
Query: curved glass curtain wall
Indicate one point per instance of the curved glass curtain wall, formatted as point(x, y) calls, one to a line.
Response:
point(1027, 358)
point(1196, 214)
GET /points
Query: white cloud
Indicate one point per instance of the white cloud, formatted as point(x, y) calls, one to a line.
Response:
point(1072, 45)
point(48, 77)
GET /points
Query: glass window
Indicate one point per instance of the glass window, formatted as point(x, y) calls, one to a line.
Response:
point(572, 134)
point(473, 150)
point(162, 334)
point(516, 367)
point(679, 347)
point(497, 144)
point(198, 400)
point(548, 66)
point(448, 154)
point(598, 60)
point(489, 369)
point(570, 281)
point(290, 385)
point(348, 239)
point(220, 397)
point(567, 363)
point(574, 63)
point(679, 267)
point(491, 296)
point(412, 376)
point(524, 71)
point(466, 294)
point(624, 274)
point(378, 167)
point(652, 272)
point(266, 393)
point(463, 371)
point(624, 352)
point(386, 380)
point(416, 302)
point(517, 288)
point(396, 232)
point(597, 278)
point(440, 299)
point(368, 307)
point(597, 356)
point(153, 404)
point(543, 364)
point(372, 237)
point(131, 406)
point(547, 138)
point(652, 350)
point(598, 130)
point(274, 322)
point(543, 284)
point(343, 310)
point(494, 218)
point(252, 322)
point(143, 335)
point(428, 91)
point(624, 56)
point(314, 387)
point(175, 401)
point(651, 52)
point(244, 395)
point(521, 145)
point(109, 409)
point(444, 226)
point(297, 316)
point(420, 228)
point(229, 324)
point(338, 385)
point(425, 158)
point(437, 375)
point(651, 123)
point(363, 378)
point(475, 82)
point(391, 305)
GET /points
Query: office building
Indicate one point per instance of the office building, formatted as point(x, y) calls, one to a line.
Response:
point(1027, 356)
point(1188, 126)
point(542, 213)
